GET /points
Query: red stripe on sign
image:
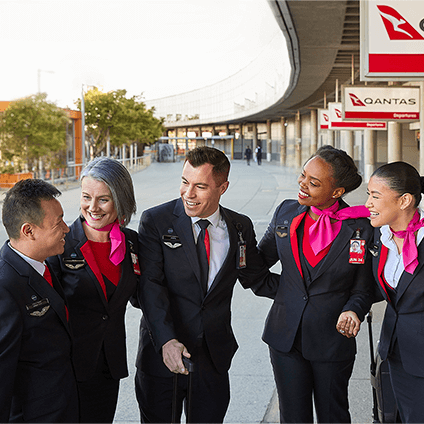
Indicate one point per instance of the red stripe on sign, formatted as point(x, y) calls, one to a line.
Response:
point(396, 63)
point(382, 115)
point(358, 125)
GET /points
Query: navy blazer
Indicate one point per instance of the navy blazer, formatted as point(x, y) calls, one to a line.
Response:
point(314, 305)
point(95, 321)
point(403, 319)
point(171, 295)
point(37, 379)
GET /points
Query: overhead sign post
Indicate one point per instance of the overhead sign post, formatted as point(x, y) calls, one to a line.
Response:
point(392, 40)
point(365, 103)
point(337, 123)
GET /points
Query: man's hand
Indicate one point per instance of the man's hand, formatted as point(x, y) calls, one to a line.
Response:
point(171, 353)
point(348, 324)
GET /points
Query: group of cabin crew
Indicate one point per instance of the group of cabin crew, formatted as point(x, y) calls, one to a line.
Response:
point(64, 292)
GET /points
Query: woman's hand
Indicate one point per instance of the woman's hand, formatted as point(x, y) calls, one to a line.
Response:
point(348, 324)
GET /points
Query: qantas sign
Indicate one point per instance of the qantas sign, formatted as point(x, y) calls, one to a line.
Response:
point(338, 123)
point(392, 39)
point(381, 103)
point(323, 119)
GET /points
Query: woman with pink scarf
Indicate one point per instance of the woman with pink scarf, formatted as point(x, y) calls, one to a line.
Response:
point(99, 272)
point(326, 279)
point(394, 193)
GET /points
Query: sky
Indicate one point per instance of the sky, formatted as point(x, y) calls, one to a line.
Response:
point(152, 48)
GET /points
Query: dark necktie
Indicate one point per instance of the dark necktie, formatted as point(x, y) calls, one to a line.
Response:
point(203, 250)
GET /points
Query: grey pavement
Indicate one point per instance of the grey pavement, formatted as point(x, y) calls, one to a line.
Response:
point(255, 191)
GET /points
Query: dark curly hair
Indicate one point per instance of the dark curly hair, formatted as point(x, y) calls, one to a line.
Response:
point(345, 172)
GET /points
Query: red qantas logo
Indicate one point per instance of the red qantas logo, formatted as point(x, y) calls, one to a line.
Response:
point(338, 113)
point(326, 118)
point(355, 100)
point(396, 26)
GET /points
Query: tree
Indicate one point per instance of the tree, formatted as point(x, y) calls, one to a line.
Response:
point(32, 129)
point(112, 116)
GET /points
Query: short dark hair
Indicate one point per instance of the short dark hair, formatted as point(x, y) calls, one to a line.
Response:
point(345, 172)
point(117, 178)
point(402, 178)
point(218, 159)
point(23, 204)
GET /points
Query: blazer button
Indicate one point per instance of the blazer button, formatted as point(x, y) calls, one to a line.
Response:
point(105, 317)
point(305, 298)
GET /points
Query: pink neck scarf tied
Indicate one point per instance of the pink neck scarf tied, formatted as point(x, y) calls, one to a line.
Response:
point(117, 241)
point(409, 249)
point(323, 232)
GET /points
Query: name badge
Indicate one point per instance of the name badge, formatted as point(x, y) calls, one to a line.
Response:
point(241, 260)
point(134, 259)
point(39, 308)
point(357, 250)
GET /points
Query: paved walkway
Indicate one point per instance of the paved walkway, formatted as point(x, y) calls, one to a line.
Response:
point(255, 191)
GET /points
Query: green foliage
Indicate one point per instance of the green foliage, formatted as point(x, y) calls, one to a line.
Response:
point(112, 115)
point(32, 128)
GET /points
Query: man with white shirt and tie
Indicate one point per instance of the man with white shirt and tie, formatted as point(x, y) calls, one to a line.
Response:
point(37, 378)
point(192, 251)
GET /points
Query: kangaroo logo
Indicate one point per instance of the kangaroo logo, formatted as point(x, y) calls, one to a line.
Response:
point(338, 113)
point(326, 118)
point(355, 100)
point(396, 26)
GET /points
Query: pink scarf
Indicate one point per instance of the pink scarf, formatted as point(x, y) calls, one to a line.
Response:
point(117, 241)
point(323, 232)
point(409, 249)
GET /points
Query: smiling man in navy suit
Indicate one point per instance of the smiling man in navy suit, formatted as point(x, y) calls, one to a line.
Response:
point(37, 379)
point(186, 300)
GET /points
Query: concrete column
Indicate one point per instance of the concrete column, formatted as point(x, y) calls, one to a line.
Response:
point(314, 131)
point(297, 142)
point(394, 142)
point(330, 137)
point(370, 150)
point(255, 136)
point(268, 141)
point(347, 142)
point(283, 147)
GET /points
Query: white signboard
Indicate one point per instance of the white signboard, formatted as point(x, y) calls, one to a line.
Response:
point(323, 119)
point(381, 103)
point(392, 39)
point(337, 123)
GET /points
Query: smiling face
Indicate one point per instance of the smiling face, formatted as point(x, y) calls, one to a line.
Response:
point(97, 205)
point(50, 234)
point(317, 185)
point(199, 190)
point(384, 204)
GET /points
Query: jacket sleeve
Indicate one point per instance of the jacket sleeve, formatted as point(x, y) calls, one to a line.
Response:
point(256, 275)
point(153, 293)
point(11, 325)
point(267, 245)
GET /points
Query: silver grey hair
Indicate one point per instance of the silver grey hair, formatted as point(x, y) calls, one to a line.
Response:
point(119, 181)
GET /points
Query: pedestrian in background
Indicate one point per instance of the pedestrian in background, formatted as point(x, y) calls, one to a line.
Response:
point(37, 378)
point(321, 284)
point(394, 193)
point(258, 153)
point(99, 273)
point(248, 154)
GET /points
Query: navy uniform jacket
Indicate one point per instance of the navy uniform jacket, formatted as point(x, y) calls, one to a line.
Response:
point(95, 321)
point(314, 305)
point(37, 381)
point(404, 318)
point(171, 295)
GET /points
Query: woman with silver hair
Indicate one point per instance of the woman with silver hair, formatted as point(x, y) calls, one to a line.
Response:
point(99, 272)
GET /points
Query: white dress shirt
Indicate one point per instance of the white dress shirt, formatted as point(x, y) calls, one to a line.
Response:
point(219, 242)
point(38, 266)
point(394, 266)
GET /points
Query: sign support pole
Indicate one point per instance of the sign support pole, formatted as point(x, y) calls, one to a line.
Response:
point(421, 128)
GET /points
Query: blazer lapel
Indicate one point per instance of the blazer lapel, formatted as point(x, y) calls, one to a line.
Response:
point(380, 269)
point(294, 242)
